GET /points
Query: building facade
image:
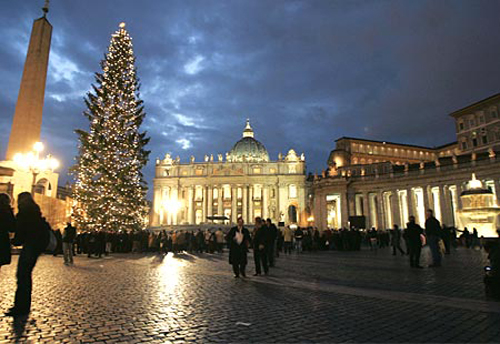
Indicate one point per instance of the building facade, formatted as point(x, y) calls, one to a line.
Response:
point(478, 126)
point(383, 183)
point(243, 182)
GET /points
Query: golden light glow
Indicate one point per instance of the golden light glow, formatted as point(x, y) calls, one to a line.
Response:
point(38, 147)
point(31, 160)
point(172, 205)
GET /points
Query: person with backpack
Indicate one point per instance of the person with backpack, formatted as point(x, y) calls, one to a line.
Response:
point(32, 233)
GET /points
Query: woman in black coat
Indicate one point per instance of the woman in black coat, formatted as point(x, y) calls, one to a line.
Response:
point(238, 239)
point(32, 233)
point(7, 225)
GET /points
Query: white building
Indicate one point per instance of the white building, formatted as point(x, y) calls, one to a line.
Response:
point(243, 182)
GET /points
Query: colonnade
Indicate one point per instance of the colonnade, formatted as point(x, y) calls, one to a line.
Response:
point(192, 204)
point(384, 207)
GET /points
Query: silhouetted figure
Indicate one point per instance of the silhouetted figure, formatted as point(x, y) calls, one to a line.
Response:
point(433, 232)
point(7, 225)
point(67, 243)
point(32, 234)
point(413, 235)
point(260, 242)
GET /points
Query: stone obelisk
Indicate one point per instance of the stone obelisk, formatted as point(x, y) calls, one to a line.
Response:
point(27, 121)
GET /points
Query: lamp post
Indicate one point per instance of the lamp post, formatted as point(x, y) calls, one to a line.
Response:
point(31, 161)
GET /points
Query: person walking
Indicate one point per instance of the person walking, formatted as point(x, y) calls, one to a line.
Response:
point(299, 235)
point(271, 244)
point(219, 238)
point(396, 240)
point(433, 233)
point(238, 239)
point(260, 242)
point(7, 225)
point(32, 234)
point(413, 235)
point(287, 239)
point(67, 243)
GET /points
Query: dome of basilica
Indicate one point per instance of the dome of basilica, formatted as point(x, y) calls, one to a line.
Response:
point(248, 149)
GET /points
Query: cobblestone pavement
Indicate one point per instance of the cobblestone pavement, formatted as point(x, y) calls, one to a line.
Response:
point(319, 297)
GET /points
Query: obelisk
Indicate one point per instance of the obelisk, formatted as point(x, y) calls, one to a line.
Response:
point(27, 122)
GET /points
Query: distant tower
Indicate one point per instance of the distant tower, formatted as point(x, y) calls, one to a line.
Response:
point(27, 122)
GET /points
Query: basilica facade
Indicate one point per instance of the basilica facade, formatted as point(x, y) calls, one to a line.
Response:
point(243, 182)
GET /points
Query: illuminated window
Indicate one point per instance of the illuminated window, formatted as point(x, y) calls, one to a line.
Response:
point(240, 193)
point(184, 173)
point(272, 170)
point(215, 193)
point(198, 193)
point(292, 191)
point(257, 191)
point(227, 191)
point(199, 172)
point(257, 170)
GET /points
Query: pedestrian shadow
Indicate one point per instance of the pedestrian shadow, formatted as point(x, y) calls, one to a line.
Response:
point(19, 327)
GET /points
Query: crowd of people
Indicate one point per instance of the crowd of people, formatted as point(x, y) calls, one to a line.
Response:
point(266, 240)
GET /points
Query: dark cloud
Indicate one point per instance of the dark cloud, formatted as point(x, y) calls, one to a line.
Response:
point(305, 72)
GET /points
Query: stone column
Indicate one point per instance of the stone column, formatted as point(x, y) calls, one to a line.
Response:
point(396, 213)
point(210, 201)
point(265, 202)
point(220, 209)
point(157, 207)
point(351, 204)
point(190, 205)
point(344, 209)
point(234, 204)
point(410, 202)
point(366, 209)
point(174, 215)
point(459, 192)
point(250, 204)
point(497, 190)
point(426, 198)
point(445, 213)
point(380, 211)
point(204, 205)
point(244, 203)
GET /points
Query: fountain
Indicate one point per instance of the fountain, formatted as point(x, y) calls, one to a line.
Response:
point(479, 209)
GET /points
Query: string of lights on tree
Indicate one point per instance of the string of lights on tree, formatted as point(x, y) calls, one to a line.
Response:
point(109, 188)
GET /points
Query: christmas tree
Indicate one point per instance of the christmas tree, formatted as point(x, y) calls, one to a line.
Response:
point(110, 189)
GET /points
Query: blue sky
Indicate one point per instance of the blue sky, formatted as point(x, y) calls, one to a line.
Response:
point(304, 72)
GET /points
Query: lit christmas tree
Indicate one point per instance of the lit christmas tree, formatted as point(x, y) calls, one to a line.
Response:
point(110, 188)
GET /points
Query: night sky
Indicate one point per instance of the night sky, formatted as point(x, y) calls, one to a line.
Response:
point(305, 72)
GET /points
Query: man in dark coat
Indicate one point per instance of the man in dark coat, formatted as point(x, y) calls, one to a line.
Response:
point(67, 242)
point(7, 225)
point(396, 240)
point(433, 233)
point(33, 233)
point(412, 237)
point(260, 247)
point(238, 240)
point(272, 236)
